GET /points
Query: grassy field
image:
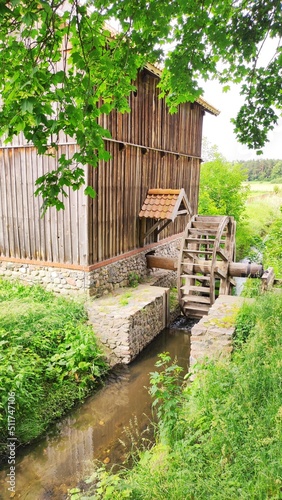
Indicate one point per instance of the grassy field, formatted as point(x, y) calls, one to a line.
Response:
point(263, 208)
point(49, 358)
point(261, 211)
point(263, 187)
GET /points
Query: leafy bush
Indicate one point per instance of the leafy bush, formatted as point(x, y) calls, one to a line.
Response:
point(245, 239)
point(133, 279)
point(48, 356)
point(221, 188)
point(252, 288)
point(245, 322)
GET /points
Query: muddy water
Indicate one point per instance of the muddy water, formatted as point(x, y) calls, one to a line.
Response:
point(121, 410)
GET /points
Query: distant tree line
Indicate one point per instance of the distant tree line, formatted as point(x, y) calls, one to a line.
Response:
point(263, 170)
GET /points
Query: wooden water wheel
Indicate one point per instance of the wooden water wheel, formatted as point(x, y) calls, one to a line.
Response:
point(207, 249)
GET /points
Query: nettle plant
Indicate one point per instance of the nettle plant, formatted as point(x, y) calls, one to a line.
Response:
point(166, 391)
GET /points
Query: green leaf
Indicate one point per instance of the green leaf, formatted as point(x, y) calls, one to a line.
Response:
point(59, 77)
point(27, 105)
point(89, 191)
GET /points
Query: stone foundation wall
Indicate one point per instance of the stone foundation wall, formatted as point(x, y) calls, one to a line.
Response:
point(60, 280)
point(127, 321)
point(212, 336)
point(164, 278)
point(97, 282)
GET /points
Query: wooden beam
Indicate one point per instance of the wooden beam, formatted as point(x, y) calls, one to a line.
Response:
point(155, 228)
point(152, 229)
point(161, 262)
point(235, 268)
point(107, 139)
point(167, 222)
point(241, 270)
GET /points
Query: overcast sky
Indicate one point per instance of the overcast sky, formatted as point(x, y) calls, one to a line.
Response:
point(218, 129)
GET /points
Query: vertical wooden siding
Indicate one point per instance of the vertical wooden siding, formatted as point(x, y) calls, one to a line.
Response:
point(58, 236)
point(150, 123)
point(90, 231)
point(122, 183)
point(121, 186)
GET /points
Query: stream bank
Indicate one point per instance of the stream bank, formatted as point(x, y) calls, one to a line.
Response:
point(59, 461)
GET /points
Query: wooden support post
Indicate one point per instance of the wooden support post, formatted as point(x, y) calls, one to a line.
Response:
point(267, 279)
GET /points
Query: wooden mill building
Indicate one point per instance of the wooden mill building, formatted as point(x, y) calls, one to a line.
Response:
point(97, 244)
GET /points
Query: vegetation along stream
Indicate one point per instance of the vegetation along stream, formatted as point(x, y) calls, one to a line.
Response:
point(120, 411)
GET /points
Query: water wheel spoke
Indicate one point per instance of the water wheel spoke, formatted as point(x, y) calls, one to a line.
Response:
point(206, 251)
point(196, 312)
point(206, 232)
point(200, 299)
point(195, 288)
point(195, 277)
point(203, 241)
point(220, 273)
point(222, 254)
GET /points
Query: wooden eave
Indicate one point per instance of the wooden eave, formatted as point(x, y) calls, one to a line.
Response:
point(157, 71)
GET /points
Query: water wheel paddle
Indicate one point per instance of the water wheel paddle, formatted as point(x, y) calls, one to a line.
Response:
point(207, 249)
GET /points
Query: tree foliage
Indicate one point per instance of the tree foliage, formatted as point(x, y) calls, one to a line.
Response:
point(44, 93)
point(221, 188)
point(263, 170)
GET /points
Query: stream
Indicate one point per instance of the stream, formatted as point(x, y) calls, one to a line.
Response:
point(101, 428)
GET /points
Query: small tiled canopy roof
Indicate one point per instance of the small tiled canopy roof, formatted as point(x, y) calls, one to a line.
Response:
point(165, 204)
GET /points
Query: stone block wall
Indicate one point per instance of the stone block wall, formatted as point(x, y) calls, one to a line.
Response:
point(127, 321)
point(56, 279)
point(212, 336)
point(96, 282)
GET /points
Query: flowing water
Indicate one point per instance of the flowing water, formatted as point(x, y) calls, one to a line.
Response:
point(120, 411)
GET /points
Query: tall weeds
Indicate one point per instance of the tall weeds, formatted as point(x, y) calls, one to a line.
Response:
point(49, 357)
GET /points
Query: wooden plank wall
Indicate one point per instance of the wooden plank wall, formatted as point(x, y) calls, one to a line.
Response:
point(121, 186)
point(90, 231)
point(150, 123)
point(122, 183)
point(58, 236)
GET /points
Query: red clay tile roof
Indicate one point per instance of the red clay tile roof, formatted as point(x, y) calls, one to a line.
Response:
point(164, 203)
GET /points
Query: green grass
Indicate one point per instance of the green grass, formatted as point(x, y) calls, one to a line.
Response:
point(262, 187)
point(48, 356)
point(124, 298)
point(226, 442)
point(173, 299)
point(260, 213)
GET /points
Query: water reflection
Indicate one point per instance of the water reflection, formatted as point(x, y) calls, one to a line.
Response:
point(65, 456)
